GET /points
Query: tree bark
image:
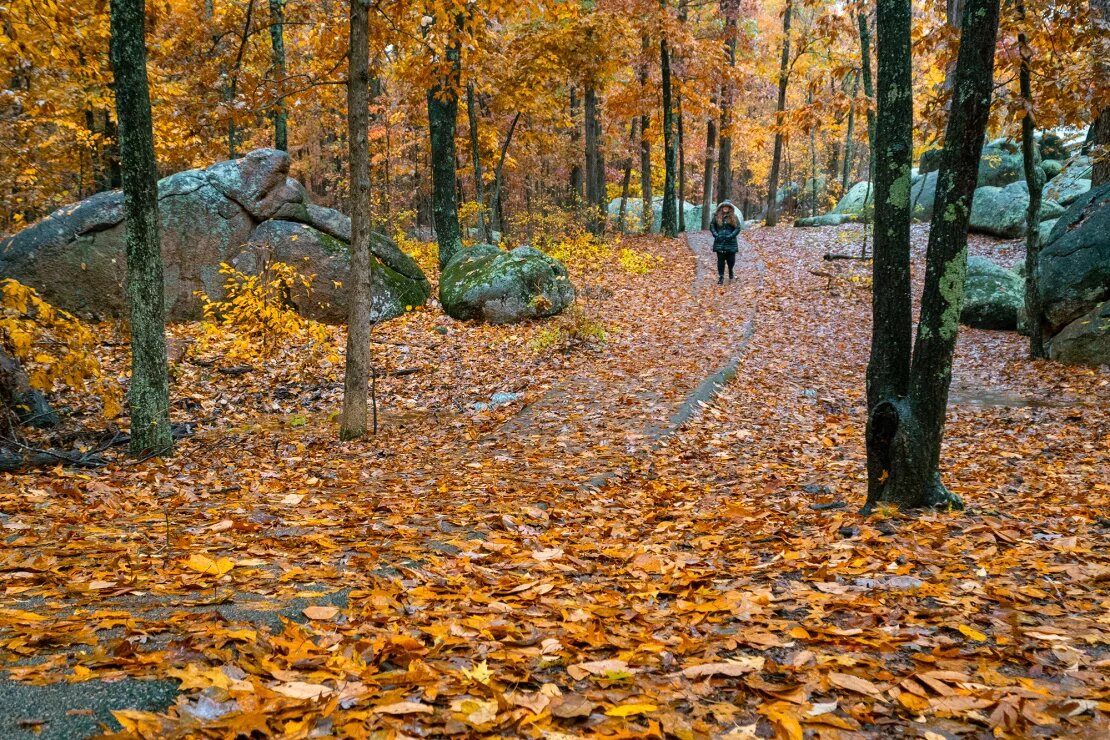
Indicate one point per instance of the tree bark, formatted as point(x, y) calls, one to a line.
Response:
point(888, 370)
point(1100, 151)
point(475, 155)
point(670, 217)
point(495, 196)
point(277, 42)
point(595, 163)
point(849, 134)
point(149, 392)
point(913, 426)
point(626, 180)
point(868, 88)
point(443, 110)
point(730, 9)
point(1034, 179)
point(647, 212)
point(576, 139)
point(356, 379)
point(707, 181)
point(681, 164)
point(776, 159)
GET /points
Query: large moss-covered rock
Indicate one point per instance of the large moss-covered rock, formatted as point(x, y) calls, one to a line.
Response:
point(485, 283)
point(1051, 168)
point(1073, 272)
point(1072, 182)
point(923, 193)
point(76, 257)
point(859, 197)
point(396, 282)
point(825, 219)
point(1085, 341)
point(1001, 211)
point(993, 295)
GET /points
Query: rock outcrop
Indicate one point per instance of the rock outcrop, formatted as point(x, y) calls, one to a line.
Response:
point(233, 211)
point(486, 283)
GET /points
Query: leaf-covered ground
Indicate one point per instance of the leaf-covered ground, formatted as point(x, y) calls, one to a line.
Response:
point(589, 559)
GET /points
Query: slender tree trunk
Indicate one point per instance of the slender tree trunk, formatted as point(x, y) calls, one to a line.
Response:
point(776, 160)
point(681, 165)
point(443, 110)
point(868, 88)
point(576, 139)
point(475, 155)
point(730, 9)
point(1034, 179)
point(232, 89)
point(277, 42)
point(149, 392)
point(848, 136)
point(356, 378)
point(626, 180)
point(670, 217)
point(888, 371)
point(812, 164)
point(647, 212)
point(707, 181)
point(1100, 151)
point(913, 426)
point(595, 163)
point(495, 196)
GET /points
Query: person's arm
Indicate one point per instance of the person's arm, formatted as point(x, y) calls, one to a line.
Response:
point(713, 228)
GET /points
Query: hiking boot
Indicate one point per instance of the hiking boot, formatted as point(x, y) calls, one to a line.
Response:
point(721, 280)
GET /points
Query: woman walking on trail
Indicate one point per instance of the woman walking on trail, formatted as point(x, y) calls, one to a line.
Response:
point(725, 226)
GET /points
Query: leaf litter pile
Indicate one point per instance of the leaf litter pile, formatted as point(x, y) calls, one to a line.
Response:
point(539, 542)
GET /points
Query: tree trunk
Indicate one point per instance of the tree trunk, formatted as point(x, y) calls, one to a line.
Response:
point(475, 155)
point(868, 88)
point(888, 370)
point(231, 90)
point(730, 9)
point(277, 42)
point(595, 163)
point(849, 134)
point(647, 212)
point(356, 379)
point(776, 160)
point(1100, 127)
point(670, 217)
point(912, 427)
point(681, 165)
point(576, 138)
point(707, 182)
point(1034, 179)
point(149, 392)
point(495, 196)
point(443, 109)
point(626, 181)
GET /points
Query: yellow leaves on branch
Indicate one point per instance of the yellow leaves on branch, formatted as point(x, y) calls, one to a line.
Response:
point(260, 310)
point(54, 347)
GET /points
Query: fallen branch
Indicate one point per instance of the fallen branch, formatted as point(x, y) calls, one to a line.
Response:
point(830, 256)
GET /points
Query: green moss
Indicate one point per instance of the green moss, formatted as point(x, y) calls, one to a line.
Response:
point(331, 245)
point(952, 291)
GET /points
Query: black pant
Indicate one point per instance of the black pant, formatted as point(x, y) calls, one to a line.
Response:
point(724, 258)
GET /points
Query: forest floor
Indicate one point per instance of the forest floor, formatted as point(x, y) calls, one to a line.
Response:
point(624, 549)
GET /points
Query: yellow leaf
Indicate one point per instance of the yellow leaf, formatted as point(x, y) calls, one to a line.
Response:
point(320, 612)
point(972, 633)
point(628, 710)
point(204, 564)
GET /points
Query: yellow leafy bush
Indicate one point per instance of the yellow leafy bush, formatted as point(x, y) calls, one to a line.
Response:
point(638, 263)
point(571, 330)
point(54, 347)
point(579, 249)
point(258, 308)
point(426, 254)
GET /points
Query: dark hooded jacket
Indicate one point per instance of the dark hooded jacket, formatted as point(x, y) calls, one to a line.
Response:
point(724, 235)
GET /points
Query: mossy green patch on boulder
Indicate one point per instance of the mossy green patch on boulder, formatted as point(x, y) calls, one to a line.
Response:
point(993, 296)
point(485, 283)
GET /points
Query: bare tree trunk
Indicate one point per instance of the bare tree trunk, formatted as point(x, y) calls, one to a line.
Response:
point(277, 42)
point(149, 392)
point(848, 136)
point(707, 182)
point(681, 165)
point(443, 109)
point(776, 160)
point(576, 138)
point(495, 196)
point(907, 429)
point(595, 163)
point(730, 9)
point(475, 155)
point(1100, 151)
point(231, 90)
point(626, 181)
point(1034, 179)
point(356, 379)
point(647, 212)
point(670, 217)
